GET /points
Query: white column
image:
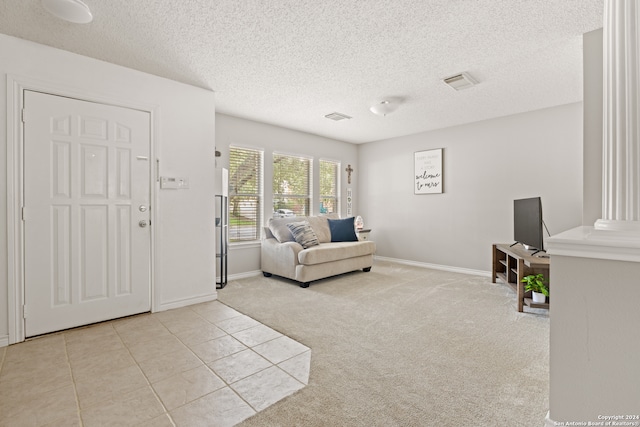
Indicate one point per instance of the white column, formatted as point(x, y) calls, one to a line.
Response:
point(621, 126)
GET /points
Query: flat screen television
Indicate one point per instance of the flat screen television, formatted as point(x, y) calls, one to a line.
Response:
point(527, 223)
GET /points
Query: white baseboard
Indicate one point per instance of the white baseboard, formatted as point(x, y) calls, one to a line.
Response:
point(254, 273)
point(548, 422)
point(436, 266)
point(4, 340)
point(245, 275)
point(188, 301)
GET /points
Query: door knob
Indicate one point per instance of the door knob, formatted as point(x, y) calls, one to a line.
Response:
point(142, 223)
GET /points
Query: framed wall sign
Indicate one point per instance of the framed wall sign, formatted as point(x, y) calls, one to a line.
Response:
point(427, 171)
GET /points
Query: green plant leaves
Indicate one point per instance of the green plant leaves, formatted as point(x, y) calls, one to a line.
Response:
point(535, 283)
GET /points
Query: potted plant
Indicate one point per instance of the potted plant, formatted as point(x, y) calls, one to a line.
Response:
point(535, 284)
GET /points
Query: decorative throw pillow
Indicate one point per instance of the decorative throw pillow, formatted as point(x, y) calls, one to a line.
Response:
point(303, 233)
point(343, 230)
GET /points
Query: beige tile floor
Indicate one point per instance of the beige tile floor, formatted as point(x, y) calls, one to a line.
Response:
point(203, 365)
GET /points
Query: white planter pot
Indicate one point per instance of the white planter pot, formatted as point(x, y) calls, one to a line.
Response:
point(538, 297)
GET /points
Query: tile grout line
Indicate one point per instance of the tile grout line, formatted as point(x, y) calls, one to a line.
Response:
point(230, 385)
point(244, 314)
point(73, 380)
point(227, 385)
point(167, 412)
point(4, 356)
point(251, 348)
point(153, 390)
point(178, 327)
point(308, 349)
point(282, 334)
point(292, 357)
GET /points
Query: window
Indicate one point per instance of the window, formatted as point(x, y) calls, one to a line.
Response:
point(245, 194)
point(329, 202)
point(291, 185)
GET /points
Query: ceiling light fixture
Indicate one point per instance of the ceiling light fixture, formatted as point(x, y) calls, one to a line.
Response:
point(70, 10)
point(384, 107)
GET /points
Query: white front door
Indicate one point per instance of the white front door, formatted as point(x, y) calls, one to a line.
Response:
point(86, 212)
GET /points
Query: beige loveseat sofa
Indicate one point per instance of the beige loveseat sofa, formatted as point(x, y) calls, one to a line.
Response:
point(283, 256)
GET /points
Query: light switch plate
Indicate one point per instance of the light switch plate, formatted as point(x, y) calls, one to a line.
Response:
point(183, 183)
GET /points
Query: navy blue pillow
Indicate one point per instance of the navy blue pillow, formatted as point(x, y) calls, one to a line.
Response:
point(342, 230)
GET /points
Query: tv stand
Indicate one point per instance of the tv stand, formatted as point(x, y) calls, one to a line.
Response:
point(511, 264)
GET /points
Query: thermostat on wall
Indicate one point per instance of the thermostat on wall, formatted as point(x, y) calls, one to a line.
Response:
point(172, 183)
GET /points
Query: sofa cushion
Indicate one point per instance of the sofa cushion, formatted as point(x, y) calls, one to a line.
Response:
point(327, 252)
point(303, 234)
point(343, 230)
point(279, 229)
point(320, 227)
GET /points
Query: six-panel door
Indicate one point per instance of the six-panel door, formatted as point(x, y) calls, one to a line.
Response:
point(86, 190)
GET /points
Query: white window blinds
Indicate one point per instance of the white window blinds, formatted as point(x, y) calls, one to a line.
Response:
point(291, 184)
point(245, 193)
point(329, 185)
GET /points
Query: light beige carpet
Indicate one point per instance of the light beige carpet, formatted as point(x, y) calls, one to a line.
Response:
point(404, 346)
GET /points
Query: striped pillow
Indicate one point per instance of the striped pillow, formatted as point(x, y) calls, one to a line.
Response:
point(303, 233)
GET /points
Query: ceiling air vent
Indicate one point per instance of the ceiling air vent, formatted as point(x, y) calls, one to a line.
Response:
point(337, 116)
point(460, 81)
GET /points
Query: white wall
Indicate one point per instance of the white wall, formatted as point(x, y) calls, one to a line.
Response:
point(487, 165)
point(593, 102)
point(237, 131)
point(594, 369)
point(184, 133)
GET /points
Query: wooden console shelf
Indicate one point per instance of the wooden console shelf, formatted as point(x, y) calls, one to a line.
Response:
point(511, 264)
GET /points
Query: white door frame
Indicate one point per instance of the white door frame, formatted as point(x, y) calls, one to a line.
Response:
point(16, 85)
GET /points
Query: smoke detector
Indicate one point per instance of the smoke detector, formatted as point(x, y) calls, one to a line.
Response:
point(460, 81)
point(337, 116)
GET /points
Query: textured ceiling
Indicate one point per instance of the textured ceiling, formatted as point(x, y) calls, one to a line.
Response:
point(290, 62)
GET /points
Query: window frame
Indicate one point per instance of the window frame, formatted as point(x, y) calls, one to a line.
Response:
point(259, 196)
point(307, 199)
point(336, 185)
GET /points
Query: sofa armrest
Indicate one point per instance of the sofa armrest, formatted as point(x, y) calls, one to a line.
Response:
point(278, 258)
